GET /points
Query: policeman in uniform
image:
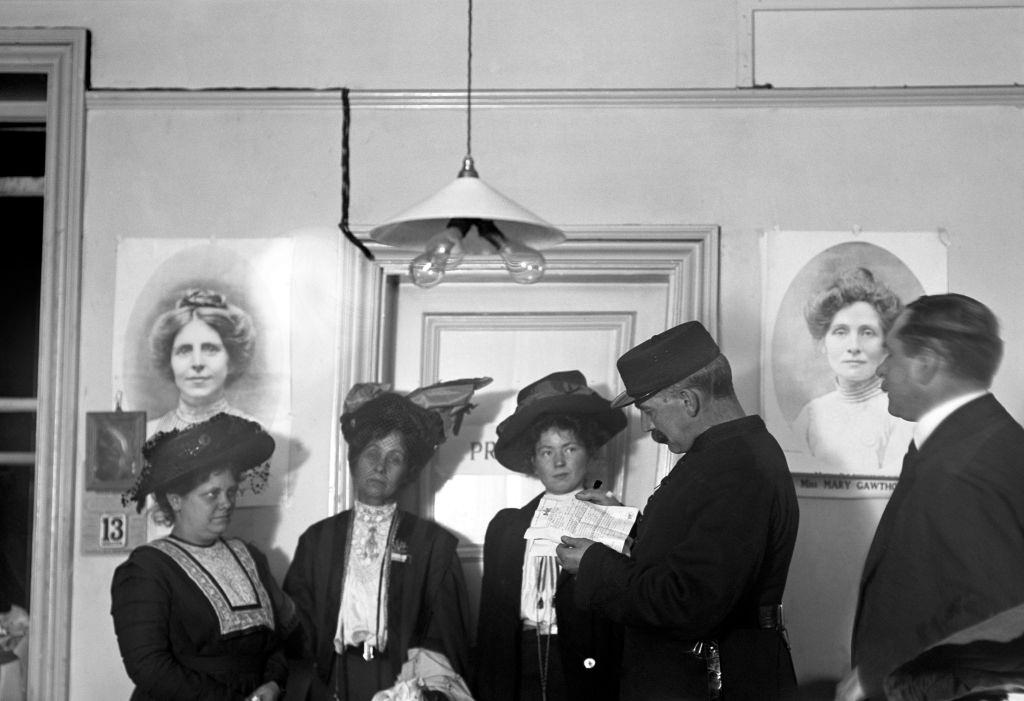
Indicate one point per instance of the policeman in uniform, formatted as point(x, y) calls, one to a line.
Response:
point(699, 592)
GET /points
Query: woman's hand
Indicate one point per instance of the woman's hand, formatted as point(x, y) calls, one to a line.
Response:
point(268, 692)
point(596, 496)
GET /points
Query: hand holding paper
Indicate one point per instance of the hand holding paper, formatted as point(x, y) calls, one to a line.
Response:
point(609, 525)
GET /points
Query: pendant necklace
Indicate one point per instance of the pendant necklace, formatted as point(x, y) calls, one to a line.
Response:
point(547, 578)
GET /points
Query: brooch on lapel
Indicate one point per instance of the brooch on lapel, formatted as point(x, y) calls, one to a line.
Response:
point(399, 551)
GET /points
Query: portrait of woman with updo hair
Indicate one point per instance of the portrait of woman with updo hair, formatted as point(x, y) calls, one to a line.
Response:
point(849, 430)
point(203, 344)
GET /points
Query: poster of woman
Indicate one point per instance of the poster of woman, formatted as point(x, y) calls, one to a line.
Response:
point(202, 327)
point(829, 299)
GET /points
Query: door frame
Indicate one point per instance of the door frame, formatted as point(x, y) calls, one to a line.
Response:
point(684, 256)
point(60, 54)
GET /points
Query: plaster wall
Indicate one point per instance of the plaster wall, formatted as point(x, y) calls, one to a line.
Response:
point(177, 165)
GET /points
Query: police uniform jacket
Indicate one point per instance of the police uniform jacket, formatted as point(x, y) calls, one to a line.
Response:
point(714, 544)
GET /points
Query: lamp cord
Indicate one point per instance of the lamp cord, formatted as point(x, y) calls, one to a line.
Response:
point(343, 224)
point(469, 81)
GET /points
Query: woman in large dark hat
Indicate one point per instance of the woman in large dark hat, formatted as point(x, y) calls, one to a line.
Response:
point(197, 614)
point(532, 642)
point(380, 592)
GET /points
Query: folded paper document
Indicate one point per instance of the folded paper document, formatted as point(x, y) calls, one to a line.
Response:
point(609, 525)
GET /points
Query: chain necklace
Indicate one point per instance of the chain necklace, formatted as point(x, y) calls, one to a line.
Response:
point(547, 578)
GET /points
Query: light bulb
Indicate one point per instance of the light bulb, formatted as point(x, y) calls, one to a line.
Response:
point(448, 245)
point(524, 264)
point(426, 270)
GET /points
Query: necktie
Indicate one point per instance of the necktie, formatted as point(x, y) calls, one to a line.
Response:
point(903, 485)
point(909, 469)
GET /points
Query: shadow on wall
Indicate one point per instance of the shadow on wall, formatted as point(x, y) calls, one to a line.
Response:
point(821, 593)
point(258, 524)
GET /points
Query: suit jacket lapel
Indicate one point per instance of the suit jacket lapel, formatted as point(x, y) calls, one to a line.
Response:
point(884, 530)
point(515, 546)
point(335, 552)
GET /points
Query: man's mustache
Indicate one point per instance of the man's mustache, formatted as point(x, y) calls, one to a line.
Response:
point(658, 437)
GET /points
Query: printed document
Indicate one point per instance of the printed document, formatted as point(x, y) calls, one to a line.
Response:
point(609, 525)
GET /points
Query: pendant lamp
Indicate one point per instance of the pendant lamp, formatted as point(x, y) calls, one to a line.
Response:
point(469, 216)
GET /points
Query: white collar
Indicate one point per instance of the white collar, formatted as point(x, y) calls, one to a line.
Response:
point(193, 414)
point(562, 497)
point(375, 514)
point(927, 424)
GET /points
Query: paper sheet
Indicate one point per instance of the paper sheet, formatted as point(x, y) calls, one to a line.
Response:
point(609, 525)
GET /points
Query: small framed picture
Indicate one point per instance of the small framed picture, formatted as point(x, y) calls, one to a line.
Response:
point(113, 449)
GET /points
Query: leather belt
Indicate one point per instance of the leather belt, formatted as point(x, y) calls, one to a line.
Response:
point(769, 617)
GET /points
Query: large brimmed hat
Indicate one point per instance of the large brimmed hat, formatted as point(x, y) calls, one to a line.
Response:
point(222, 442)
point(562, 393)
point(426, 416)
point(663, 360)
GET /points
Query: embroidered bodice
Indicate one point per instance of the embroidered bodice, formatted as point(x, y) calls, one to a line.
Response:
point(226, 575)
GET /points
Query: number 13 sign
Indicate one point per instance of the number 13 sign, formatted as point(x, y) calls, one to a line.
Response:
point(107, 529)
point(113, 530)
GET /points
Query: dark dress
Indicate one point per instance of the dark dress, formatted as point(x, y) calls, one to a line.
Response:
point(179, 642)
point(948, 552)
point(713, 545)
point(427, 600)
point(589, 645)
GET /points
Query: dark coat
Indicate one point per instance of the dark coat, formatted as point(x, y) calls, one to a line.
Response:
point(582, 635)
point(949, 548)
point(171, 641)
point(714, 543)
point(427, 601)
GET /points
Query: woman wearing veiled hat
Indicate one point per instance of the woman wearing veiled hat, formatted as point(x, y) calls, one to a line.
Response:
point(532, 641)
point(199, 615)
point(380, 592)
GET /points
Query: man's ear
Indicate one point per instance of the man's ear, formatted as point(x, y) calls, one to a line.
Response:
point(175, 501)
point(691, 400)
point(925, 366)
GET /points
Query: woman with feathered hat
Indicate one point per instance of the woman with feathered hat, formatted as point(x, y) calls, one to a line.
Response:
point(532, 642)
point(380, 592)
point(199, 615)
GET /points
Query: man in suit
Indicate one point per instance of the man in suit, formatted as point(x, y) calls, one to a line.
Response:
point(700, 592)
point(948, 554)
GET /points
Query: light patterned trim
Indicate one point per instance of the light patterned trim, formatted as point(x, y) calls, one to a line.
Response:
point(233, 618)
point(582, 98)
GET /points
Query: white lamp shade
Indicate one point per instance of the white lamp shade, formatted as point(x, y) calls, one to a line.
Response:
point(467, 197)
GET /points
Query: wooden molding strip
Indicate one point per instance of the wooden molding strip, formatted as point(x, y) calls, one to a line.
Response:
point(748, 98)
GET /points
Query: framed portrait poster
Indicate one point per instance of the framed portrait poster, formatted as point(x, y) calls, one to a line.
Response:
point(113, 449)
point(240, 289)
point(828, 299)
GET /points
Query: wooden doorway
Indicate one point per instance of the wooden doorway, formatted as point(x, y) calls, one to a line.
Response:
point(605, 291)
point(57, 59)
